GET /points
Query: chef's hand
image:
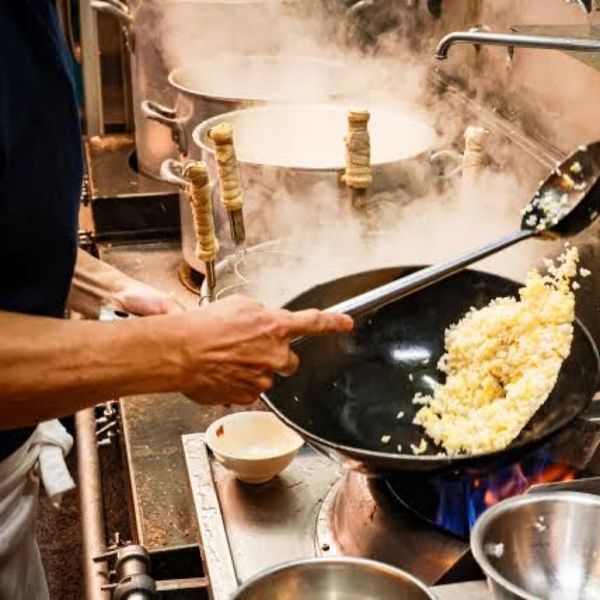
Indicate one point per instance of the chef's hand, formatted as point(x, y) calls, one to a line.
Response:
point(236, 346)
point(96, 284)
point(143, 300)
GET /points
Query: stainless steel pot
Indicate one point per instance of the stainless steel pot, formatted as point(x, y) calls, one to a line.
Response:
point(288, 187)
point(329, 579)
point(211, 87)
point(277, 271)
point(541, 547)
point(148, 24)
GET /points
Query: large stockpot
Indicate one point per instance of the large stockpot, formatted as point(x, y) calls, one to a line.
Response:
point(291, 160)
point(158, 35)
point(209, 87)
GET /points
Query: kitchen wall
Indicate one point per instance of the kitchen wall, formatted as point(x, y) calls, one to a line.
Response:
point(563, 93)
point(558, 93)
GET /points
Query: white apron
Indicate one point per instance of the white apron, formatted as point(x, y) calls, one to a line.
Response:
point(41, 457)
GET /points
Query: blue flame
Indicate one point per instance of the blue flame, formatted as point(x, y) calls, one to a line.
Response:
point(461, 501)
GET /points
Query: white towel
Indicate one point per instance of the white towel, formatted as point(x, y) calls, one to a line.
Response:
point(54, 444)
point(21, 570)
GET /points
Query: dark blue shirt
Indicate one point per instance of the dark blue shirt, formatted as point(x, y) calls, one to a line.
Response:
point(40, 167)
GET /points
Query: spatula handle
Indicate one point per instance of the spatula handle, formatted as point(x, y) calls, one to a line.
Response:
point(390, 292)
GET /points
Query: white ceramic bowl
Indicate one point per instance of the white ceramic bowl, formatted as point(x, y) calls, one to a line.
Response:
point(255, 445)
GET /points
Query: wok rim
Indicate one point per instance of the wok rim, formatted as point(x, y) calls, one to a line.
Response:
point(431, 463)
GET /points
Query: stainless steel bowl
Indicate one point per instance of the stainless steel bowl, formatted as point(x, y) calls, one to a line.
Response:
point(541, 547)
point(330, 579)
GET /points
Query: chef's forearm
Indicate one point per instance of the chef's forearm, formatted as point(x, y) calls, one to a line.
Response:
point(54, 367)
point(94, 284)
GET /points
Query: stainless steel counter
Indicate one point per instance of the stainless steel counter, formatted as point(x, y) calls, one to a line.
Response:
point(246, 529)
point(477, 590)
point(154, 263)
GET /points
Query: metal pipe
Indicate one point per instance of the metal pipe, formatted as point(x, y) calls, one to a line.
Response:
point(211, 281)
point(237, 226)
point(359, 7)
point(91, 506)
point(113, 10)
point(514, 40)
point(92, 80)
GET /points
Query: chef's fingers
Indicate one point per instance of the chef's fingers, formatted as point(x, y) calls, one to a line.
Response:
point(291, 365)
point(257, 384)
point(313, 322)
point(265, 383)
point(245, 400)
point(254, 390)
point(239, 392)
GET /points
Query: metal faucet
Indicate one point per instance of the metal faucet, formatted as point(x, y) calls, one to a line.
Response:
point(359, 7)
point(515, 40)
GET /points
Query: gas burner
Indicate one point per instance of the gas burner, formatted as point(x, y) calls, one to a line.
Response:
point(190, 278)
point(125, 204)
point(359, 517)
point(423, 525)
point(454, 504)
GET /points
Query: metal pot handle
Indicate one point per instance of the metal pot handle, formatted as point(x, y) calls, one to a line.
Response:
point(115, 8)
point(168, 117)
point(121, 12)
point(171, 171)
point(453, 154)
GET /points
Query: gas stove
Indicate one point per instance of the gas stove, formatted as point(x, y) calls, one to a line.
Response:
point(316, 509)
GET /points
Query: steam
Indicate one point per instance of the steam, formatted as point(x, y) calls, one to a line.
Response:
point(427, 219)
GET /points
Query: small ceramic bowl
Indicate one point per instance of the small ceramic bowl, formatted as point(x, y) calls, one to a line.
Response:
point(255, 445)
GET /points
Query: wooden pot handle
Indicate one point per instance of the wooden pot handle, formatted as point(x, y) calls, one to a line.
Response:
point(358, 173)
point(199, 195)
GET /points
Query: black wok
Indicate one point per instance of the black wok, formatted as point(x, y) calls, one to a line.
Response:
point(349, 389)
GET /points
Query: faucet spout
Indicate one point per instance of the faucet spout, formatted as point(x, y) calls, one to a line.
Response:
point(514, 40)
